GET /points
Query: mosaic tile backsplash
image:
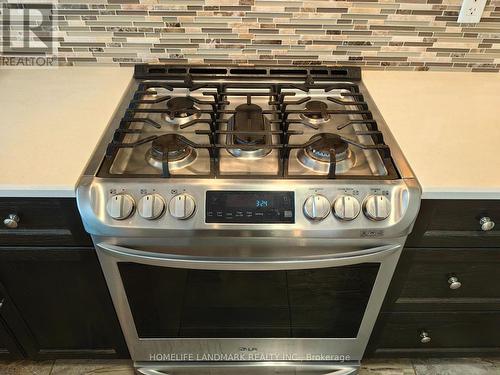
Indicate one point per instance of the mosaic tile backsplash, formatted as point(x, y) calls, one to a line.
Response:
point(377, 34)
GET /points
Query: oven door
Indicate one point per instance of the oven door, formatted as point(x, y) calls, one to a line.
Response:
point(174, 307)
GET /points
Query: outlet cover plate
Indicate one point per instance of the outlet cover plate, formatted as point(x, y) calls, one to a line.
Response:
point(471, 11)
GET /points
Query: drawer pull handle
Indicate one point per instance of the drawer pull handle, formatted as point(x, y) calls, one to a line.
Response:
point(486, 224)
point(11, 221)
point(454, 283)
point(425, 338)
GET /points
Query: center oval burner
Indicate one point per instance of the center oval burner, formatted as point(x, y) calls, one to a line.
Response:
point(249, 118)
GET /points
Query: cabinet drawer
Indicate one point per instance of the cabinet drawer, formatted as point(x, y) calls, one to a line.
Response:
point(446, 332)
point(456, 223)
point(449, 279)
point(42, 221)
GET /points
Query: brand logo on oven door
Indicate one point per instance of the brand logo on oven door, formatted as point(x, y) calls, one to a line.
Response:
point(248, 349)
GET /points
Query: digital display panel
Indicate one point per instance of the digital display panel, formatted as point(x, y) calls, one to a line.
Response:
point(256, 207)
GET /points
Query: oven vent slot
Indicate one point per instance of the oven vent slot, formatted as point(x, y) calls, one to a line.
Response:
point(248, 71)
point(295, 72)
point(339, 72)
point(319, 71)
point(177, 70)
point(156, 70)
point(210, 71)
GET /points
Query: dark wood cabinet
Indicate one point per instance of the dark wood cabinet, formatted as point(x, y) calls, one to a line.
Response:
point(455, 223)
point(62, 298)
point(450, 333)
point(446, 246)
point(56, 301)
point(426, 275)
point(43, 222)
point(9, 346)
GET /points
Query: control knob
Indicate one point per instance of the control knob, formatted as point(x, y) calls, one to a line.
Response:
point(346, 208)
point(120, 206)
point(182, 206)
point(316, 207)
point(377, 207)
point(151, 206)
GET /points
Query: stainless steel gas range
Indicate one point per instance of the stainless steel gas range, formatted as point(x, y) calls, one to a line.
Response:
point(248, 220)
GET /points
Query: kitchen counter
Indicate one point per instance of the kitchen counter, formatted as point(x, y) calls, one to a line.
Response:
point(447, 124)
point(51, 121)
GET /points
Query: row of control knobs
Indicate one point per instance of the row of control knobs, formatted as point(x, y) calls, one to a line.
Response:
point(346, 207)
point(151, 206)
point(182, 206)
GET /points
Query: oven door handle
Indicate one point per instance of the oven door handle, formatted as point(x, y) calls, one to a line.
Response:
point(124, 254)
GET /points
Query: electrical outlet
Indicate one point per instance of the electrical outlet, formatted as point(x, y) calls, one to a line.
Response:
point(471, 11)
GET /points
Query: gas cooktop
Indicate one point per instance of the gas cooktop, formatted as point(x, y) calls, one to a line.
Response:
point(212, 122)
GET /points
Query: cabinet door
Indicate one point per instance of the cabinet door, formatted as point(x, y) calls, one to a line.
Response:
point(9, 347)
point(63, 300)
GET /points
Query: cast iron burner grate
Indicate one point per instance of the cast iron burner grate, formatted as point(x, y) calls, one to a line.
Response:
point(249, 131)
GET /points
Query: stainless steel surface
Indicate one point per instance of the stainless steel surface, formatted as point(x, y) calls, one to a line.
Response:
point(346, 207)
point(94, 193)
point(247, 254)
point(11, 221)
point(486, 223)
point(454, 283)
point(248, 368)
point(316, 207)
point(425, 338)
point(158, 258)
point(345, 237)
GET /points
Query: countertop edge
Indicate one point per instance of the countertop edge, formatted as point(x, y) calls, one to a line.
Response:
point(436, 194)
point(37, 192)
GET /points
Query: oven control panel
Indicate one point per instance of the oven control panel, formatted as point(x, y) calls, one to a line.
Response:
point(335, 209)
point(250, 207)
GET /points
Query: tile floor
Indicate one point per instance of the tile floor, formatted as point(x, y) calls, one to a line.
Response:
point(437, 366)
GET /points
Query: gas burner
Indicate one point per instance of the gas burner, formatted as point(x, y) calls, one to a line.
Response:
point(318, 118)
point(317, 155)
point(181, 110)
point(171, 148)
point(151, 92)
point(248, 117)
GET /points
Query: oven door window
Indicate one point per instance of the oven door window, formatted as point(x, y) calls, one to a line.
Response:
point(313, 303)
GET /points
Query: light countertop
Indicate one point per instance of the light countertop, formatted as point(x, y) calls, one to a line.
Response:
point(447, 124)
point(51, 121)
